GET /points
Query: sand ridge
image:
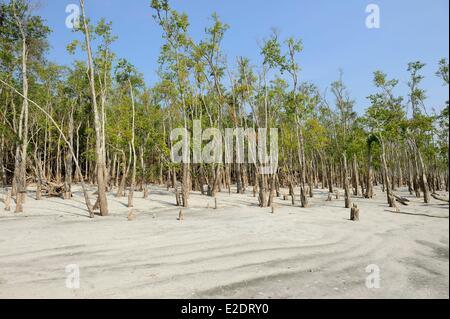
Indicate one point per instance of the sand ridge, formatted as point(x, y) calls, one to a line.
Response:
point(236, 251)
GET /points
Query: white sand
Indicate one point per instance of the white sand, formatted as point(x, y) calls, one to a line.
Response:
point(237, 251)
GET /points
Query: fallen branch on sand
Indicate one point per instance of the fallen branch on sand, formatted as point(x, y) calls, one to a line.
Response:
point(52, 189)
point(402, 200)
point(439, 198)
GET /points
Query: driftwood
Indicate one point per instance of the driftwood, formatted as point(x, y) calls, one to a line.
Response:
point(354, 214)
point(53, 189)
point(439, 198)
point(402, 200)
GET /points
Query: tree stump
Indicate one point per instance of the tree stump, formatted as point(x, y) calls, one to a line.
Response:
point(67, 195)
point(273, 209)
point(215, 202)
point(132, 215)
point(8, 201)
point(354, 215)
point(338, 195)
point(330, 197)
point(394, 204)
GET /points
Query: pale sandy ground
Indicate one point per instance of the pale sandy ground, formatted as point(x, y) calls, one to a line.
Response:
point(237, 251)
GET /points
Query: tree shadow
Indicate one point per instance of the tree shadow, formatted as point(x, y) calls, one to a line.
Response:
point(421, 215)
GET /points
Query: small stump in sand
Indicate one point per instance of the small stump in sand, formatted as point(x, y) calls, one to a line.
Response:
point(132, 215)
point(394, 205)
point(330, 197)
point(354, 215)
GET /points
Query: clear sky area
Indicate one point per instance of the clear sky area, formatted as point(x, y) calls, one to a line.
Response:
point(334, 35)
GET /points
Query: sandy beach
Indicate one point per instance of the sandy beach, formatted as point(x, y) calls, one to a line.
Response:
point(236, 251)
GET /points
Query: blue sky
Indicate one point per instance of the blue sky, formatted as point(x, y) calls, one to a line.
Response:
point(333, 32)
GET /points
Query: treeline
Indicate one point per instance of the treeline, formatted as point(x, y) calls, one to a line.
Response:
point(97, 122)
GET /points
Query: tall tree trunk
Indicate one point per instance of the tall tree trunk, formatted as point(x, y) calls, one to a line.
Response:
point(348, 200)
point(355, 177)
point(369, 182)
point(133, 149)
point(387, 182)
point(21, 178)
point(302, 160)
point(101, 166)
point(423, 178)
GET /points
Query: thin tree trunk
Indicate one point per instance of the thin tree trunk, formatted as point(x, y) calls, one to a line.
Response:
point(103, 201)
point(348, 200)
